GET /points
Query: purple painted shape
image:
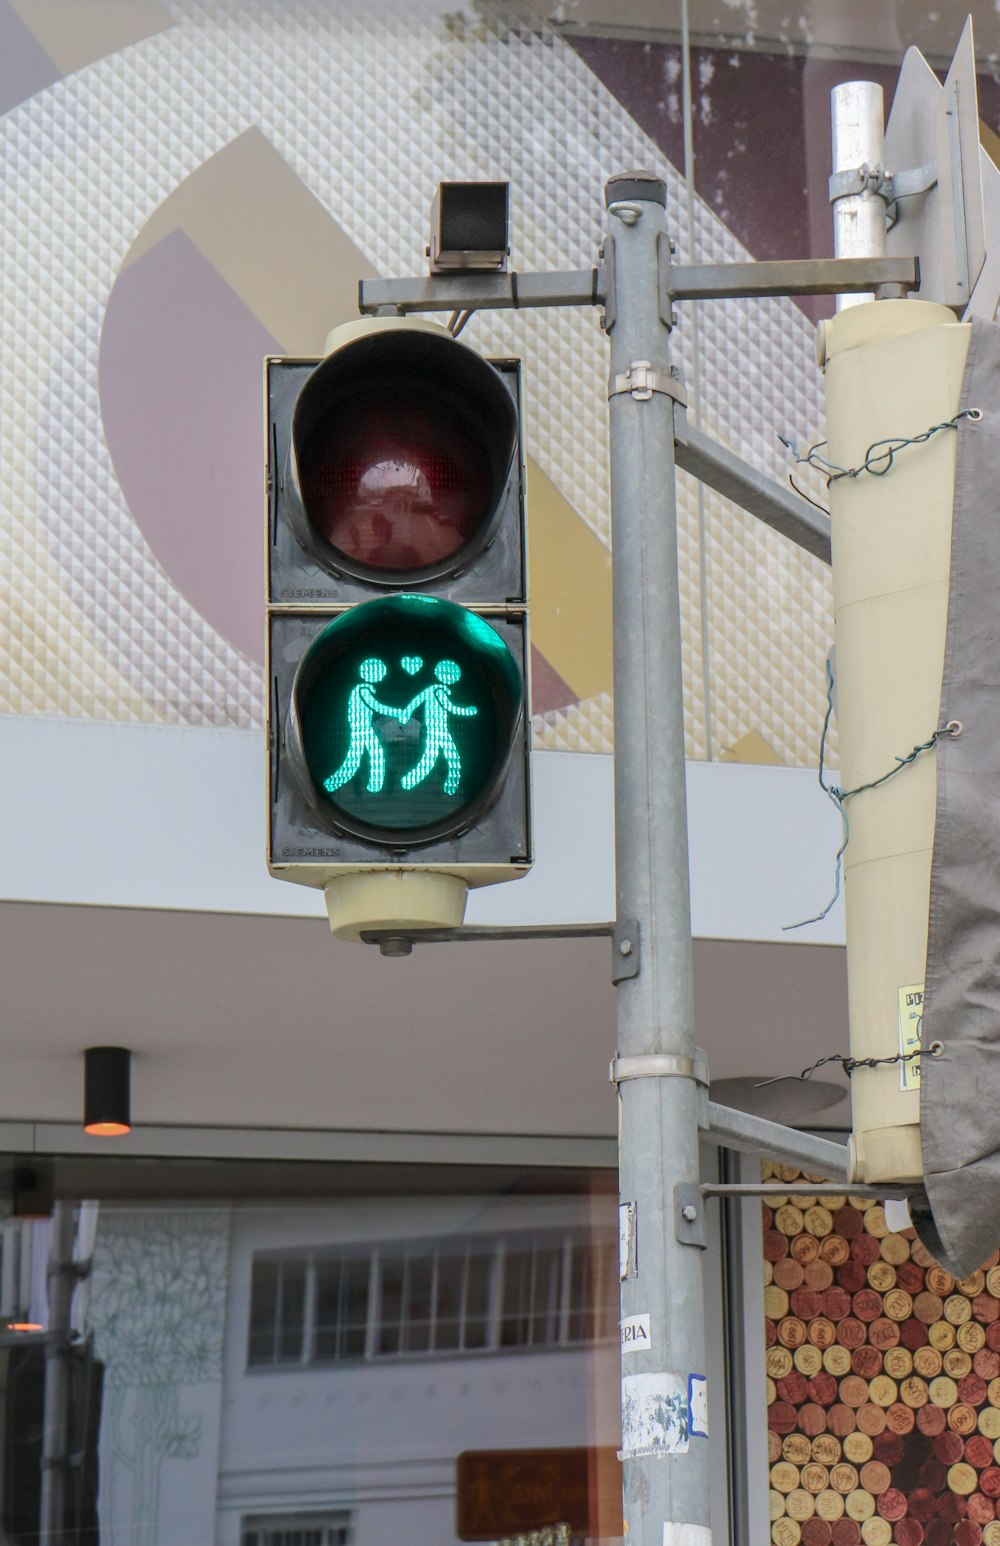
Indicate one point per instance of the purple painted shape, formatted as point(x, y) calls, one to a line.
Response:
point(180, 382)
point(25, 67)
point(548, 689)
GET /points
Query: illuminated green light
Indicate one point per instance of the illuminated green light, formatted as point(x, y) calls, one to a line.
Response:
point(406, 710)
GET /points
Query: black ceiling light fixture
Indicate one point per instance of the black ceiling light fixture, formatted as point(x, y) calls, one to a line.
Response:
point(107, 1088)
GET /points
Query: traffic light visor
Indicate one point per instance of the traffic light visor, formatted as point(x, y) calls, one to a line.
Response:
point(404, 714)
point(402, 444)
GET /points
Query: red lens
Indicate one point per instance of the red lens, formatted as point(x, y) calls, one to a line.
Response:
point(395, 487)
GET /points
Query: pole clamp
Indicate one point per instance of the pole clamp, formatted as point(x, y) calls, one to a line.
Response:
point(659, 1065)
point(641, 381)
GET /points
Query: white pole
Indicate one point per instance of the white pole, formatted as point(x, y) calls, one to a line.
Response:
point(857, 121)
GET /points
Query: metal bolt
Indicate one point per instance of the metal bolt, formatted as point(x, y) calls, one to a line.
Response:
point(396, 945)
point(689, 1212)
point(628, 214)
point(625, 947)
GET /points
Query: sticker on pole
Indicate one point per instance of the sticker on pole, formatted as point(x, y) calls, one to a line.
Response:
point(911, 1014)
point(698, 1406)
point(654, 1415)
point(686, 1535)
point(636, 1334)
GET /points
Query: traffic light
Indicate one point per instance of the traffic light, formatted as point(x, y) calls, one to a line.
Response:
point(398, 729)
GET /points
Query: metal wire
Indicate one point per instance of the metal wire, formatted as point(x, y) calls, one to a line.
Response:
point(881, 454)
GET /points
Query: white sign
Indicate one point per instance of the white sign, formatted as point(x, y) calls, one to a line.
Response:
point(636, 1335)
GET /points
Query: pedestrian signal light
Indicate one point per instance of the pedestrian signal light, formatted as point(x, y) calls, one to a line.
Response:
point(398, 631)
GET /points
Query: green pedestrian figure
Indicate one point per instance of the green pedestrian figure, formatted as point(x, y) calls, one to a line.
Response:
point(438, 739)
point(361, 705)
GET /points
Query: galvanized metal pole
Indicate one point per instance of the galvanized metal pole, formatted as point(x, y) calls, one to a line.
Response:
point(61, 1281)
point(858, 135)
point(665, 1463)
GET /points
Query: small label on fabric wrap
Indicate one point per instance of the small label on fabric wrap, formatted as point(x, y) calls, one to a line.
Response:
point(911, 1014)
point(654, 1415)
point(636, 1334)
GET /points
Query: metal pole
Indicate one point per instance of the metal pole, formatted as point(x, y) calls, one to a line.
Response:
point(665, 1469)
point(61, 1280)
point(858, 131)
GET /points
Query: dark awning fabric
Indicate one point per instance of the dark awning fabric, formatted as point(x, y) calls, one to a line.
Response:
point(960, 1089)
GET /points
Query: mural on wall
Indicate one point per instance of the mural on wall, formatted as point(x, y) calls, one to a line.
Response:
point(883, 1381)
point(191, 183)
point(157, 1311)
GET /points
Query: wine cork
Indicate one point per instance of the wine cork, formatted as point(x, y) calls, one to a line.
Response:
point(785, 1476)
point(993, 1282)
point(899, 1306)
point(800, 1504)
point(837, 1303)
point(991, 1534)
point(840, 1419)
point(875, 1477)
point(871, 1419)
point(773, 1446)
point(988, 1422)
point(981, 1508)
point(816, 1532)
point(771, 1390)
point(775, 1302)
point(956, 1363)
point(962, 1479)
point(939, 1281)
point(853, 1275)
point(927, 1361)
point(867, 1304)
point(829, 1504)
point(884, 1333)
point(928, 1307)
point(796, 1449)
point(823, 1388)
point(892, 1504)
point(865, 1249)
point(979, 1451)
point(972, 1336)
point(775, 1504)
point(843, 1478)
point(852, 1332)
point(805, 1249)
point(826, 1451)
point(845, 1532)
point(858, 1448)
point(962, 1419)
point(941, 1335)
point(781, 1417)
point(854, 1390)
point(837, 1361)
point(989, 1481)
point(859, 1504)
point(786, 1532)
point(972, 1285)
point(943, 1391)
point(898, 1363)
point(921, 1254)
point(815, 1477)
point(993, 1392)
point(819, 1275)
point(835, 1250)
point(812, 1419)
point(948, 1448)
point(987, 1363)
point(881, 1276)
point(913, 1392)
point(985, 1307)
point(913, 1334)
point(777, 1362)
point(908, 1532)
point(993, 1336)
point(818, 1221)
point(808, 1360)
point(787, 1273)
point(876, 1531)
point(788, 1219)
point(805, 1301)
point(792, 1331)
point(866, 1361)
point(957, 1309)
point(931, 1420)
point(910, 1276)
point(822, 1333)
point(875, 1221)
point(901, 1419)
point(768, 1273)
point(883, 1390)
point(895, 1249)
point(972, 1387)
point(775, 1245)
point(793, 1387)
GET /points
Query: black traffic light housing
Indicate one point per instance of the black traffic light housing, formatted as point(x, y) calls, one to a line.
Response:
point(398, 655)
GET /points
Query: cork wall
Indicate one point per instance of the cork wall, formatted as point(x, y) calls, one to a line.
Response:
point(883, 1381)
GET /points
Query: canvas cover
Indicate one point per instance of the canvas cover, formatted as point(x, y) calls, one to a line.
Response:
point(960, 1088)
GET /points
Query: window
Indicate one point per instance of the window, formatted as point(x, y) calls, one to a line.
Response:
point(297, 1530)
point(422, 1299)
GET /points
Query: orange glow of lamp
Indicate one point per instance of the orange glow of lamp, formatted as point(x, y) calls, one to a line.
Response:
point(107, 1088)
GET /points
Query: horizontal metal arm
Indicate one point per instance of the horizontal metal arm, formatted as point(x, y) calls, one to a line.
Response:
point(739, 1130)
point(753, 491)
point(797, 276)
point(481, 292)
point(400, 942)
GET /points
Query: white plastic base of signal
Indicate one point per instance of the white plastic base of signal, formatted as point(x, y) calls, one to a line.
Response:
point(394, 899)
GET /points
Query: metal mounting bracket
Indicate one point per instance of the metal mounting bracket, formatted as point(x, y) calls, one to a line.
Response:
point(641, 381)
point(660, 1065)
point(689, 1215)
point(625, 952)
